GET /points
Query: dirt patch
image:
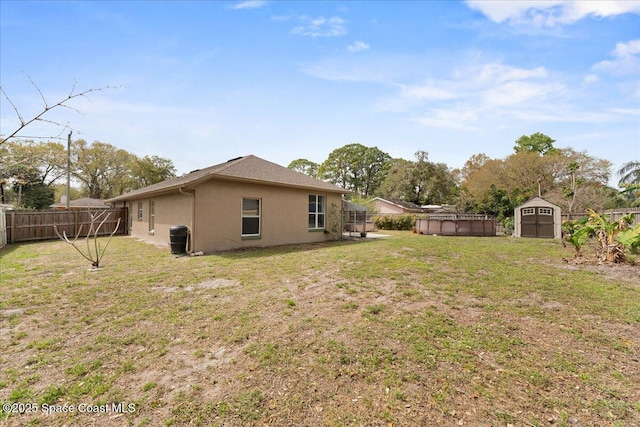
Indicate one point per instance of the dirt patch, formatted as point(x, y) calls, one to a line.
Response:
point(210, 284)
point(620, 273)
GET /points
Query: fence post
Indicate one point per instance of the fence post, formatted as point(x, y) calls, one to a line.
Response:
point(13, 227)
point(3, 229)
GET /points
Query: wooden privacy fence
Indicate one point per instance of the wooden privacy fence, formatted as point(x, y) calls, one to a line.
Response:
point(457, 225)
point(24, 226)
point(614, 214)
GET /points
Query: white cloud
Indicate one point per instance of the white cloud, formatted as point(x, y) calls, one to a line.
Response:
point(501, 11)
point(495, 73)
point(627, 49)
point(358, 46)
point(322, 27)
point(249, 4)
point(626, 60)
point(477, 93)
point(548, 13)
point(590, 78)
point(519, 93)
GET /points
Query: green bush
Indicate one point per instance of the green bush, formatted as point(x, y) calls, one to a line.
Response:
point(395, 222)
point(508, 224)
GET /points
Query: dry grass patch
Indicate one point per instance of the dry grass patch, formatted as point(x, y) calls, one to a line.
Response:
point(409, 330)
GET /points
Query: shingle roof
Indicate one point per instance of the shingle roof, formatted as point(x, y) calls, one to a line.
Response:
point(401, 203)
point(85, 202)
point(247, 168)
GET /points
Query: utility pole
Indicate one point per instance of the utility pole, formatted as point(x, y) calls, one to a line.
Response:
point(68, 168)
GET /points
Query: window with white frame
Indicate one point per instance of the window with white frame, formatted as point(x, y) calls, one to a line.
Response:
point(528, 211)
point(152, 215)
point(251, 213)
point(316, 212)
point(545, 211)
point(139, 211)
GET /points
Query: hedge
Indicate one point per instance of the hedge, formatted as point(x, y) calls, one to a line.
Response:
point(395, 222)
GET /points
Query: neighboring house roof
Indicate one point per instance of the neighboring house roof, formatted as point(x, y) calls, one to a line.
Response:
point(248, 168)
point(85, 202)
point(439, 208)
point(400, 203)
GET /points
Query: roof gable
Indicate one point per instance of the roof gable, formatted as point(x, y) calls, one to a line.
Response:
point(248, 168)
point(538, 201)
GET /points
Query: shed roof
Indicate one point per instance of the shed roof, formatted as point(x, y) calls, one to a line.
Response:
point(537, 201)
point(248, 168)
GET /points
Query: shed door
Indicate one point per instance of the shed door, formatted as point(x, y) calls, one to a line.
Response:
point(537, 222)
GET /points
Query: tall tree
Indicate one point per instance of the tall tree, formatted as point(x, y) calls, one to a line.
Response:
point(580, 181)
point(398, 185)
point(50, 158)
point(37, 195)
point(571, 190)
point(420, 182)
point(103, 168)
point(356, 167)
point(374, 166)
point(31, 168)
point(474, 163)
point(150, 170)
point(432, 183)
point(556, 176)
point(305, 166)
point(535, 143)
point(337, 168)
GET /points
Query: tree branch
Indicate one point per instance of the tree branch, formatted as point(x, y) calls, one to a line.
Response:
point(39, 117)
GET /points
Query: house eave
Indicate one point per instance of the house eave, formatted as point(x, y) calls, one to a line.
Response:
point(195, 183)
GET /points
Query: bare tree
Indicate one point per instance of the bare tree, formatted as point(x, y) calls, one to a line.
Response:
point(63, 103)
point(93, 255)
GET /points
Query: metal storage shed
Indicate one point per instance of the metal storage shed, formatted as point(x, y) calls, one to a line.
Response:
point(538, 218)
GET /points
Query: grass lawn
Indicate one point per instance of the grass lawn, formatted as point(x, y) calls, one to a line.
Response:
point(409, 330)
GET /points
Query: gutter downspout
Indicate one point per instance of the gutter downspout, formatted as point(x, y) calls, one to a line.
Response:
point(193, 219)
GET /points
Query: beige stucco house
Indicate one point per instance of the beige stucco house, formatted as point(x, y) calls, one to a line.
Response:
point(245, 202)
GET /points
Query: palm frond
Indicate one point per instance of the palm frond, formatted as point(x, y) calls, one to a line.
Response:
point(629, 173)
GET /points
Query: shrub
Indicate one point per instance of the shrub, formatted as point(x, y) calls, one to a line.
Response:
point(395, 222)
point(508, 224)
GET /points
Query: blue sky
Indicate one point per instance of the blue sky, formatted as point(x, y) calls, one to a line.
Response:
point(203, 82)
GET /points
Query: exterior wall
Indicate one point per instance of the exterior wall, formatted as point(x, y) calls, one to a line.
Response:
point(284, 218)
point(383, 207)
point(538, 203)
point(170, 210)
